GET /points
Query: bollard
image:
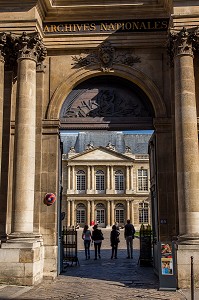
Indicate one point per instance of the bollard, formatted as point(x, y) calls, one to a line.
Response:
point(192, 279)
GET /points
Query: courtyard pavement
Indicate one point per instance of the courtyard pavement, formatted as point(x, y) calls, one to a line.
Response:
point(102, 279)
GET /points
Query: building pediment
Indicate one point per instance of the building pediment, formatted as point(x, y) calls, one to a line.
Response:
point(101, 154)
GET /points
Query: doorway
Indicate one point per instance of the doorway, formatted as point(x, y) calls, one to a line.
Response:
point(105, 104)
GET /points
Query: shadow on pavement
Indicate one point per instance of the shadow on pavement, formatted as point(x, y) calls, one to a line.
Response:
point(120, 271)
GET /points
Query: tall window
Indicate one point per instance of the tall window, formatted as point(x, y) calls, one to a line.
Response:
point(119, 181)
point(100, 214)
point(81, 180)
point(143, 212)
point(81, 214)
point(100, 180)
point(142, 180)
point(119, 213)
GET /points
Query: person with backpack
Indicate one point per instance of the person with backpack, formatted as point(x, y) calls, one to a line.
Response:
point(86, 236)
point(114, 238)
point(97, 238)
point(129, 232)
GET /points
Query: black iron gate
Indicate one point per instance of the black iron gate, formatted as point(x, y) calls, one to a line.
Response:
point(145, 258)
point(69, 246)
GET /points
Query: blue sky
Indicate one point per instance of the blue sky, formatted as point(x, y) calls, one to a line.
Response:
point(138, 131)
point(125, 131)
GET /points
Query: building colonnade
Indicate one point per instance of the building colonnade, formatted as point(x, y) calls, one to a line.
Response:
point(109, 174)
point(91, 207)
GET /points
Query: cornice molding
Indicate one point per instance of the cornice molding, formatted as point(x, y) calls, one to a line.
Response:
point(16, 5)
point(87, 10)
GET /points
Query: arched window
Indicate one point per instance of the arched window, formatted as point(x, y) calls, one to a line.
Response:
point(119, 181)
point(119, 213)
point(100, 181)
point(81, 214)
point(143, 212)
point(81, 180)
point(143, 180)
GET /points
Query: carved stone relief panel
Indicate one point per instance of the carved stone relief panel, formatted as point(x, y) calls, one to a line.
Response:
point(105, 57)
point(107, 98)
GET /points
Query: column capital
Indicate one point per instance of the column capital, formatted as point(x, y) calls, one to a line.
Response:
point(2, 45)
point(14, 46)
point(30, 46)
point(183, 42)
point(128, 199)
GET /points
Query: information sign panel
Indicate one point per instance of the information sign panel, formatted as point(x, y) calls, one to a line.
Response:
point(167, 266)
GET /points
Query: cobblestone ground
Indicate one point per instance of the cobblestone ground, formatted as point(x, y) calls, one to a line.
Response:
point(102, 279)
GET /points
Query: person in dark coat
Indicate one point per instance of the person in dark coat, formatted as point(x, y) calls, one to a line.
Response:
point(97, 237)
point(129, 232)
point(114, 237)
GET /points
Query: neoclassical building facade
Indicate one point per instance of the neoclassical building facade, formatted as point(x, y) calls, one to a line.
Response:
point(102, 186)
point(79, 65)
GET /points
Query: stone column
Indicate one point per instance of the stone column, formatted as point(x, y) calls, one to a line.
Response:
point(73, 179)
point(92, 211)
point(68, 213)
point(2, 62)
point(72, 213)
point(131, 178)
point(88, 179)
point(127, 210)
point(186, 137)
point(88, 212)
point(108, 214)
point(112, 179)
point(132, 212)
point(127, 179)
point(30, 51)
point(69, 179)
point(107, 179)
point(40, 96)
point(92, 179)
point(112, 213)
point(3, 204)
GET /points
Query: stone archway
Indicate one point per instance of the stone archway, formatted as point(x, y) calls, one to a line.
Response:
point(131, 74)
point(106, 102)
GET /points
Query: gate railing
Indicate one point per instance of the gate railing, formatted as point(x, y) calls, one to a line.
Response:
point(145, 258)
point(69, 244)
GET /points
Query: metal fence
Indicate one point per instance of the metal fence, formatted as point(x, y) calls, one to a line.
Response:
point(145, 258)
point(69, 244)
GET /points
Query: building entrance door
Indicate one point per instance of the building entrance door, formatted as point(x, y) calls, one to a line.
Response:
point(98, 104)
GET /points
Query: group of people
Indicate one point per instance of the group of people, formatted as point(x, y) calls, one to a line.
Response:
point(96, 237)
